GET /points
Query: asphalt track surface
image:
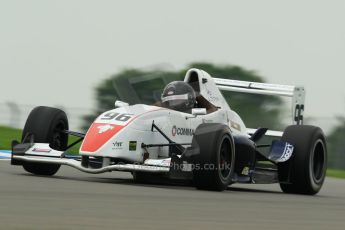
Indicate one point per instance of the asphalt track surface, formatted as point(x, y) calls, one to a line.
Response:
point(75, 200)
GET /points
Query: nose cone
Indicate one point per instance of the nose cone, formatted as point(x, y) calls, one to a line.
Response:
point(98, 135)
point(110, 123)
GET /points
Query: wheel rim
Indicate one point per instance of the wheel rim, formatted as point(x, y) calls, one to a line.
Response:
point(57, 142)
point(317, 163)
point(225, 159)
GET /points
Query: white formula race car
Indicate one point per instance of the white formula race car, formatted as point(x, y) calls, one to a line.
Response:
point(192, 134)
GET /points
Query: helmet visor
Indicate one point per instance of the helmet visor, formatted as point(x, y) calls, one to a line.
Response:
point(175, 101)
point(175, 98)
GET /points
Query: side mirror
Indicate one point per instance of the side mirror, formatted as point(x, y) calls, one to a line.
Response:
point(119, 104)
point(199, 111)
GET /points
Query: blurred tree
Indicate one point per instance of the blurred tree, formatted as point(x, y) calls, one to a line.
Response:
point(336, 145)
point(138, 86)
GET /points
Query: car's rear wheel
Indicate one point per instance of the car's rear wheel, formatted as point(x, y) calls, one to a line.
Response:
point(305, 172)
point(44, 125)
point(213, 165)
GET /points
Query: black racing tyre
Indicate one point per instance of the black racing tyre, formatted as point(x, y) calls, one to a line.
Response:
point(305, 172)
point(213, 164)
point(45, 124)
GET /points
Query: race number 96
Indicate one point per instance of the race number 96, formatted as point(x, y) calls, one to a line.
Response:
point(116, 116)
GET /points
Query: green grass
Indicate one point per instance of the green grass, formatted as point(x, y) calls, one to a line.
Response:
point(8, 134)
point(338, 173)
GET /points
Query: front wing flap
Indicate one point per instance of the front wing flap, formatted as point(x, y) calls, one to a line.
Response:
point(42, 153)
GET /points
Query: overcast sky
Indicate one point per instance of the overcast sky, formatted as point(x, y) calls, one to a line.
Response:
point(55, 52)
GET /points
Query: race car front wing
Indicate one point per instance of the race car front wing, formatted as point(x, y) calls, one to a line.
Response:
point(42, 153)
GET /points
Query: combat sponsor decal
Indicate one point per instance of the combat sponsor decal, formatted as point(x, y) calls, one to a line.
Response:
point(181, 131)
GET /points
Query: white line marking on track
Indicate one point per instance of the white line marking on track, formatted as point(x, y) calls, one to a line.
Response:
point(5, 155)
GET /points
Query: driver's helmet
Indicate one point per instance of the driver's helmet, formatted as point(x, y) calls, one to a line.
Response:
point(178, 95)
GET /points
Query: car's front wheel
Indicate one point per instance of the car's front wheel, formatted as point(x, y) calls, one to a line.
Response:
point(45, 125)
point(305, 172)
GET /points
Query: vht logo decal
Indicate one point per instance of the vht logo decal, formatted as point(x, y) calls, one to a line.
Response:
point(181, 131)
point(117, 145)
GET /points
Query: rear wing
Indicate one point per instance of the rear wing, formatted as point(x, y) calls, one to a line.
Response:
point(297, 94)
